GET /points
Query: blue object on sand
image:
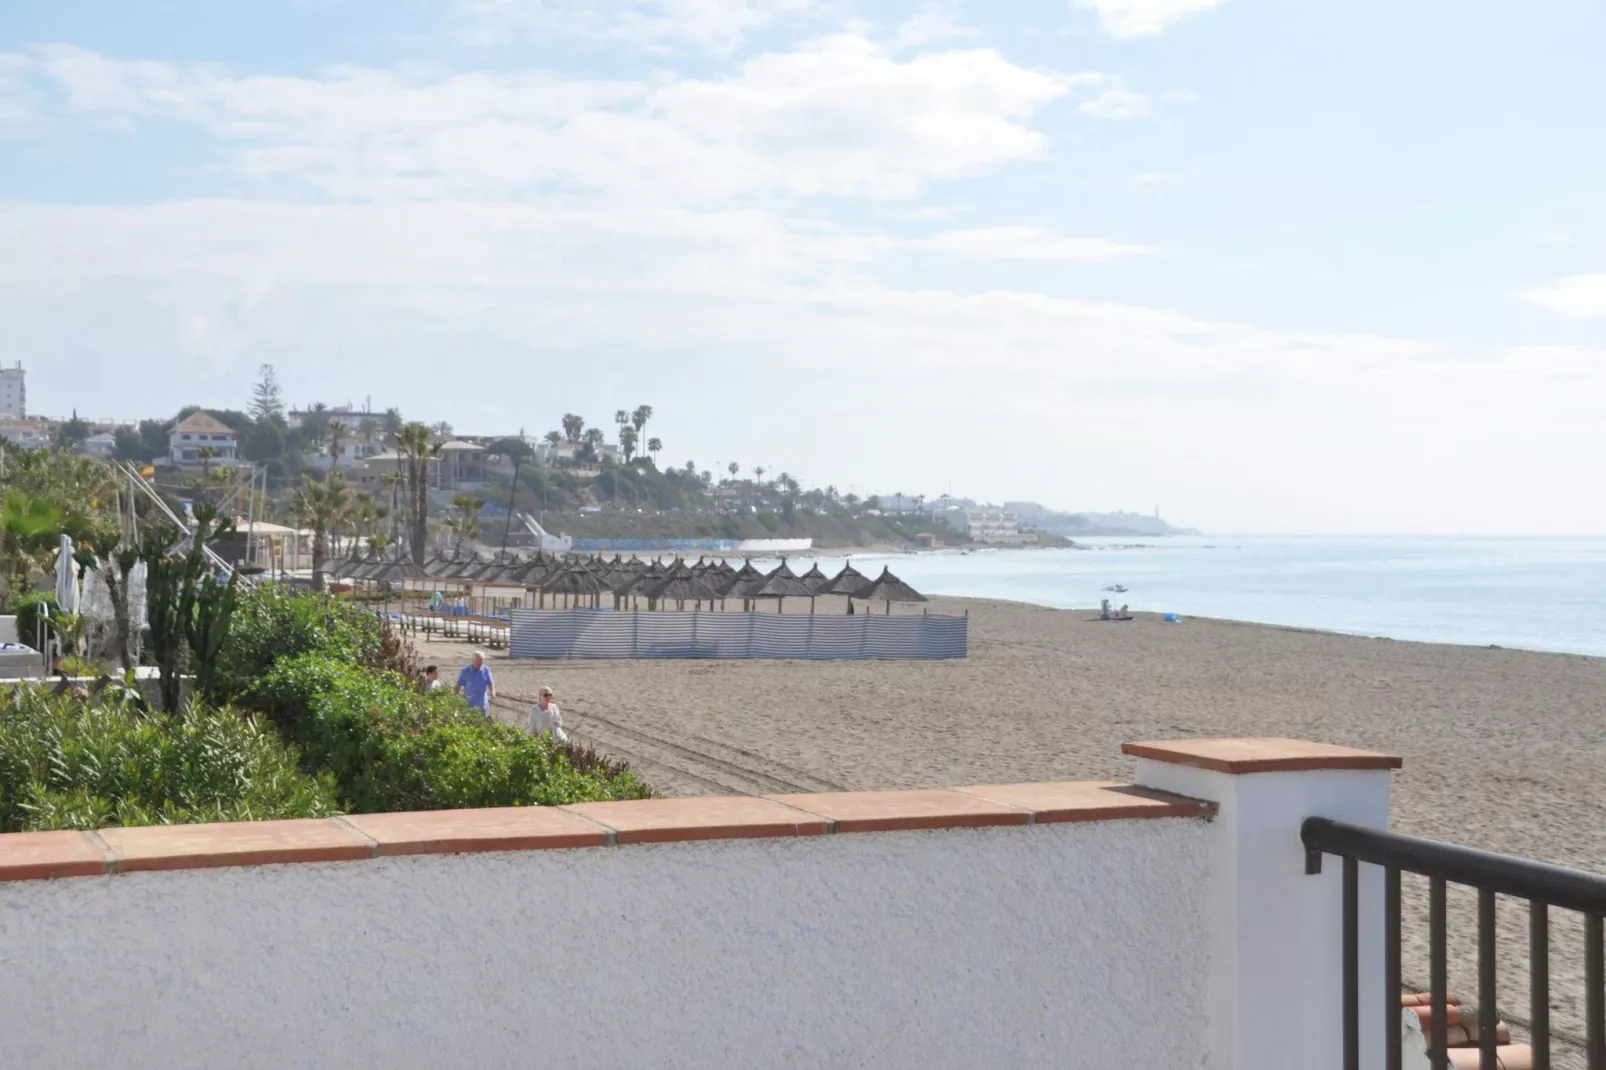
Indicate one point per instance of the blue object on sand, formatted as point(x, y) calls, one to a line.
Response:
point(1172, 618)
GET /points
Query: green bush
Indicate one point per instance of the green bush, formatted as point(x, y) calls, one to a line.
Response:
point(273, 622)
point(391, 747)
point(76, 762)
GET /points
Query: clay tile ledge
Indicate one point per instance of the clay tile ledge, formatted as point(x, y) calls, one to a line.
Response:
point(509, 828)
point(888, 811)
point(46, 855)
point(26, 856)
point(1239, 756)
point(703, 818)
point(239, 843)
point(1082, 800)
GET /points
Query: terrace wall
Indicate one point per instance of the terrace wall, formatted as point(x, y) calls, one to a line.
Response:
point(1038, 925)
point(1051, 945)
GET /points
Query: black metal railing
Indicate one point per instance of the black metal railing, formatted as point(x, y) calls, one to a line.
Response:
point(1543, 886)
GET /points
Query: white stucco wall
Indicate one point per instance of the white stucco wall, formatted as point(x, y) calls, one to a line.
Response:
point(1078, 945)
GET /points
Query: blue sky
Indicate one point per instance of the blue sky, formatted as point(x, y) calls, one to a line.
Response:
point(1307, 267)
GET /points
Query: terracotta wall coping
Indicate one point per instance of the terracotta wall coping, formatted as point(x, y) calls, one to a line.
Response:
point(1240, 756)
point(42, 855)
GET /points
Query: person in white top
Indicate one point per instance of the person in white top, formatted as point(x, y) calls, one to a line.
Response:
point(545, 717)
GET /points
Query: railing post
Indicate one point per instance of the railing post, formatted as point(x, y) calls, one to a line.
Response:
point(1277, 935)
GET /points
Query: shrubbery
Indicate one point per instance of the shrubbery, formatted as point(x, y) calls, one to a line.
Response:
point(342, 689)
point(392, 747)
point(343, 727)
point(77, 762)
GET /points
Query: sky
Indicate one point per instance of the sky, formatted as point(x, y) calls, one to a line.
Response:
point(1269, 266)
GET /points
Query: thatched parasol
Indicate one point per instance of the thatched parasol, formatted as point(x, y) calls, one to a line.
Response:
point(849, 582)
point(681, 586)
point(815, 580)
point(889, 589)
point(574, 581)
point(740, 584)
point(439, 565)
point(781, 584)
point(395, 570)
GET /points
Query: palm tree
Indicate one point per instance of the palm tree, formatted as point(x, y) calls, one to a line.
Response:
point(337, 435)
point(734, 468)
point(554, 437)
point(653, 446)
point(28, 527)
point(393, 481)
point(323, 507)
point(627, 441)
point(416, 450)
point(621, 417)
point(593, 439)
point(206, 455)
point(573, 426)
point(443, 429)
point(639, 418)
point(468, 525)
point(759, 471)
point(520, 452)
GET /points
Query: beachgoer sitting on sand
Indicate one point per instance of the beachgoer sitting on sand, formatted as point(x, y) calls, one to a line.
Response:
point(1104, 610)
point(1125, 614)
point(546, 717)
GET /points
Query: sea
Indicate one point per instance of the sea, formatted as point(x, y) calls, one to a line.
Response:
point(1527, 593)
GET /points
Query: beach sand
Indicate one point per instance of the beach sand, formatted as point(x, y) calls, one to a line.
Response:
point(1504, 750)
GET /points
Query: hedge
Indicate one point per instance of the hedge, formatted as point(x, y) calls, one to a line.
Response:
point(78, 762)
point(392, 747)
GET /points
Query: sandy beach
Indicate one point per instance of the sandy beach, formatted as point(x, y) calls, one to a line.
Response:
point(1504, 750)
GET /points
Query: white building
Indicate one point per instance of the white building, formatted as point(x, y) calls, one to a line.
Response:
point(101, 445)
point(349, 415)
point(201, 431)
point(13, 393)
point(32, 434)
point(989, 525)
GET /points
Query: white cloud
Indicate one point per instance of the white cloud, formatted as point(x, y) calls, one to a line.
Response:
point(1576, 296)
point(537, 309)
point(1115, 103)
point(838, 116)
point(1029, 243)
point(719, 25)
point(1143, 18)
point(931, 24)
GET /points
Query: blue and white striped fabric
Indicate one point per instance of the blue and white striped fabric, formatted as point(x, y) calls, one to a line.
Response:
point(601, 633)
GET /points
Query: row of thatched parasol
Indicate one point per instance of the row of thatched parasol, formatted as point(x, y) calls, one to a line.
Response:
point(577, 579)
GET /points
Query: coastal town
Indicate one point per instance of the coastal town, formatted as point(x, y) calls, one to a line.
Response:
point(282, 467)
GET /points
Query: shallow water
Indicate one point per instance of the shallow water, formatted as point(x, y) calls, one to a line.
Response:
point(1528, 593)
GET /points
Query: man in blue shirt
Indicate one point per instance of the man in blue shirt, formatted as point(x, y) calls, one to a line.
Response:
point(476, 684)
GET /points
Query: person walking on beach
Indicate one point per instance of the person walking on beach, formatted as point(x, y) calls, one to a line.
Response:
point(545, 717)
point(476, 684)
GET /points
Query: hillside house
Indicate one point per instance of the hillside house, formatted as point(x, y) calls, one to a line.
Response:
point(200, 431)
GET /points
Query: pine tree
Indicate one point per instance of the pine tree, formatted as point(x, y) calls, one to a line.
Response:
point(267, 403)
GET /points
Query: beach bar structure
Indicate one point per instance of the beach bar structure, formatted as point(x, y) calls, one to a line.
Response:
point(1236, 907)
